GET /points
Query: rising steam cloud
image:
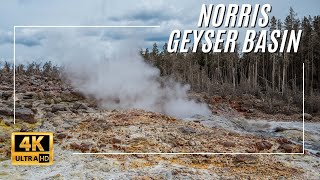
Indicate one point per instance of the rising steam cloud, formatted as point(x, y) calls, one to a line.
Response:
point(119, 78)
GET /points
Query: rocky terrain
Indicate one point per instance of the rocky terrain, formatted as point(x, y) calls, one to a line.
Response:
point(80, 126)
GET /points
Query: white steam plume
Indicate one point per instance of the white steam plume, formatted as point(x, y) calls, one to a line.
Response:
point(118, 77)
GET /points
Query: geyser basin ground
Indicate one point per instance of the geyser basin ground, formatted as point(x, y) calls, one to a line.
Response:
point(80, 126)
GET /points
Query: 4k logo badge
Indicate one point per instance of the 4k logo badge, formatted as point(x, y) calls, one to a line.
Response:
point(32, 148)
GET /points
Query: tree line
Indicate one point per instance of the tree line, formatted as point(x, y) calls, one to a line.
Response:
point(267, 75)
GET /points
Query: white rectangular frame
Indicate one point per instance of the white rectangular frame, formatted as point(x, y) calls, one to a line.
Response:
point(200, 153)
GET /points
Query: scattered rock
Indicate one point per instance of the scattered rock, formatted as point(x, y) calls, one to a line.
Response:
point(29, 95)
point(139, 155)
point(291, 148)
point(287, 148)
point(6, 95)
point(279, 129)
point(251, 150)
point(247, 159)
point(187, 130)
point(61, 135)
point(69, 123)
point(34, 110)
point(228, 144)
point(283, 141)
point(136, 136)
point(28, 105)
point(293, 134)
point(75, 146)
point(49, 115)
point(116, 141)
point(262, 145)
point(78, 105)
point(94, 150)
point(58, 107)
point(40, 95)
point(242, 109)
point(48, 109)
point(2, 139)
point(56, 123)
point(57, 100)
point(139, 131)
point(68, 97)
point(49, 101)
point(192, 143)
point(84, 147)
point(26, 115)
point(307, 116)
point(4, 110)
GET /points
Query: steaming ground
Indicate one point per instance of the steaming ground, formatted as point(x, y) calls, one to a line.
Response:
point(114, 73)
point(123, 80)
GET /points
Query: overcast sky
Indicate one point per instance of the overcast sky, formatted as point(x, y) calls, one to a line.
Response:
point(169, 15)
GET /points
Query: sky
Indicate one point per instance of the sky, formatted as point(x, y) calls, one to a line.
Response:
point(45, 43)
